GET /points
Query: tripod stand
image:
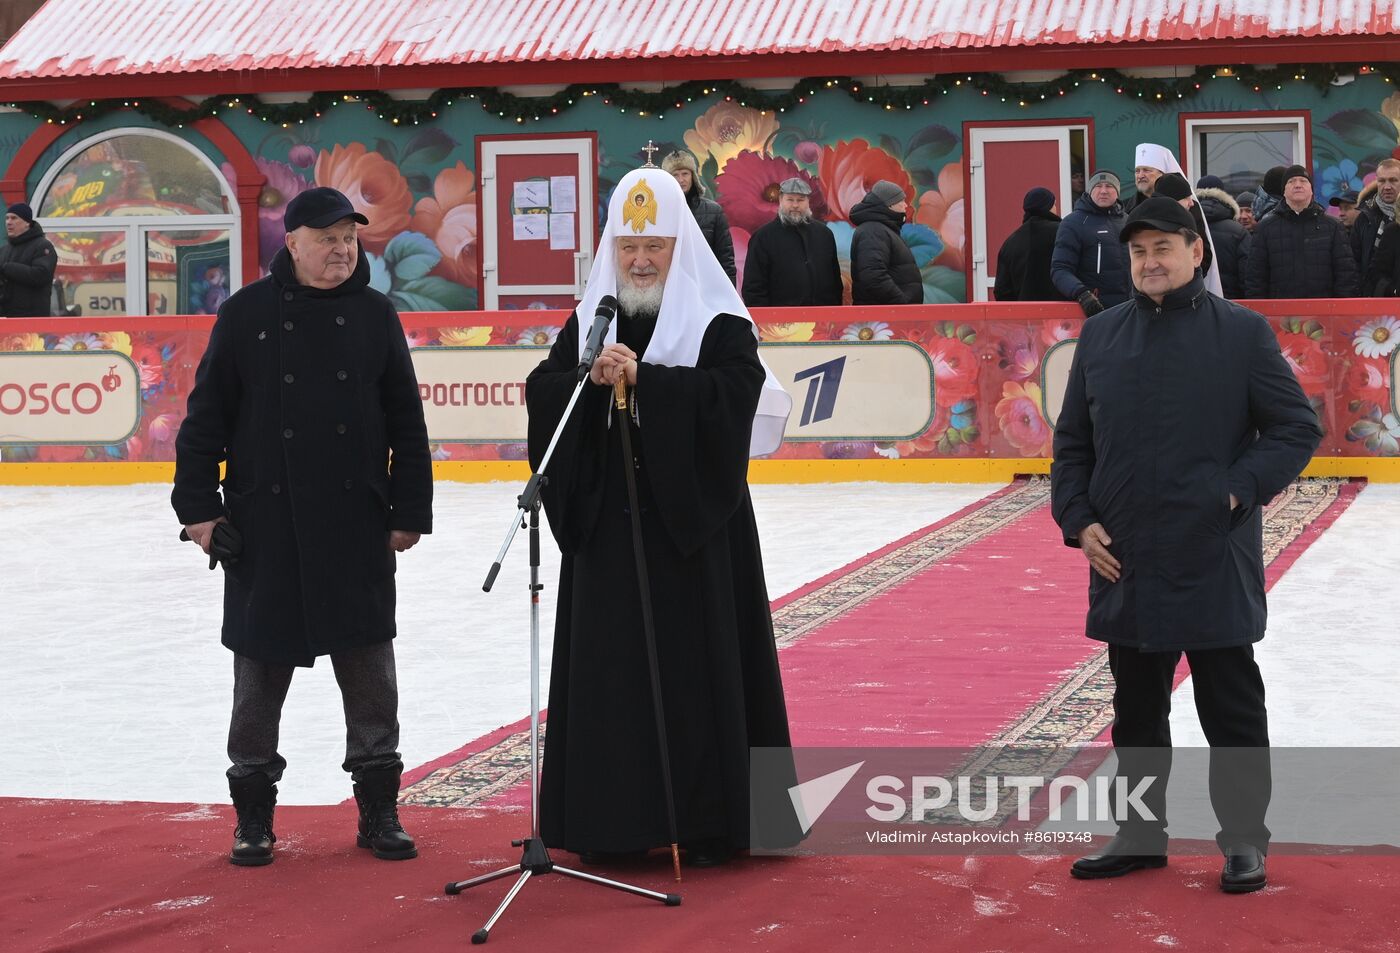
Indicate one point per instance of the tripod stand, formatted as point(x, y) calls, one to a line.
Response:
point(535, 860)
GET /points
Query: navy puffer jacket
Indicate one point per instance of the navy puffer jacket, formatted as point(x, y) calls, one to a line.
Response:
point(1088, 255)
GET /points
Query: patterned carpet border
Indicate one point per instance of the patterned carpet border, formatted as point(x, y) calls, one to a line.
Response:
point(1072, 714)
point(496, 768)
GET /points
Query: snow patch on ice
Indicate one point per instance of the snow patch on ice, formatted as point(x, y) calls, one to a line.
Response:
point(181, 903)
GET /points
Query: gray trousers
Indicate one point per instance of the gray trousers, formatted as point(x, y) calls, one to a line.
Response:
point(369, 691)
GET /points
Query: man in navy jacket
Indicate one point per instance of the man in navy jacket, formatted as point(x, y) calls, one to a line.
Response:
point(1181, 420)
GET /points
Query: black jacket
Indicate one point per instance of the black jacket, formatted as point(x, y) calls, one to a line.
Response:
point(882, 266)
point(1088, 255)
point(1299, 255)
point(1383, 279)
point(1369, 222)
point(792, 266)
point(1169, 410)
point(1023, 264)
point(1228, 236)
point(27, 263)
point(714, 225)
point(306, 393)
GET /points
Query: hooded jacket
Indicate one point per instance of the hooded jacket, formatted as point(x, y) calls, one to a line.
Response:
point(1228, 235)
point(882, 266)
point(1370, 223)
point(1088, 255)
point(27, 264)
point(714, 225)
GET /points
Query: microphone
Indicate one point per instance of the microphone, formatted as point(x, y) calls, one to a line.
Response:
point(607, 307)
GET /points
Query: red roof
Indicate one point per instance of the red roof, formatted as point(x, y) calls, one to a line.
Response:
point(124, 38)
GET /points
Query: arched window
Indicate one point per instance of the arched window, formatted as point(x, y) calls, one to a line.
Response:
point(143, 224)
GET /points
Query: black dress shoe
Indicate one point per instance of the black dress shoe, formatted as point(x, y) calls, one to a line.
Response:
point(1120, 856)
point(708, 853)
point(1243, 871)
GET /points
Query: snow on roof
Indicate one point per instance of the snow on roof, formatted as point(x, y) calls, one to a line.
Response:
point(89, 38)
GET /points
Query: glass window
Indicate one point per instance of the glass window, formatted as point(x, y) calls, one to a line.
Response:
point(134, 175)
point(92, 270)
point(187, 270)
point(1241, 155)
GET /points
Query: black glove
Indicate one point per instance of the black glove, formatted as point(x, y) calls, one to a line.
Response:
point(1090, 304)
point(225, 546)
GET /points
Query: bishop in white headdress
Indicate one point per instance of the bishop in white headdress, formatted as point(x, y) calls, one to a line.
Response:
point(1150, 162)
point(700, 400)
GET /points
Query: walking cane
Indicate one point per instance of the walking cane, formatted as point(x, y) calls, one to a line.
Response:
point(648, 624)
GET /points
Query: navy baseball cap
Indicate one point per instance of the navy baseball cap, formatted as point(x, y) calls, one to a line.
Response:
point(320, 207)
point(1349, 197)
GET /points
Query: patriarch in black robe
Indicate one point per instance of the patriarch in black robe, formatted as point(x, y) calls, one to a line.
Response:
point(701, 401)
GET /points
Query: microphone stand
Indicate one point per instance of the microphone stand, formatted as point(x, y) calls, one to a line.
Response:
point(535, 859)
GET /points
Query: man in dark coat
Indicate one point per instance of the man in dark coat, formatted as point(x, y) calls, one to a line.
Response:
point(709, 214)
point(792, 260)
point(27, 263)
point(701, 400)
point(1227, 235)
point(1023, 264)
point(1298, 250)
point(1089, 265)
point(308, 393)
point(1375, 215)
point(1181, 420)
point(883, 270)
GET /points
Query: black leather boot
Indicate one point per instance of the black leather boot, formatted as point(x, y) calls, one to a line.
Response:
point(377, 794)
point(254, 798)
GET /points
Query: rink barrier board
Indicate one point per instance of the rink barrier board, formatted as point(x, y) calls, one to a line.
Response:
point(937, 393)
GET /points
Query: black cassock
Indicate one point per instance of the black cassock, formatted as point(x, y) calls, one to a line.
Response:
point(602, 784)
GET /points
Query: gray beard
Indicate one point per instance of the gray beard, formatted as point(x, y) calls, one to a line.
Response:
point(794, 218)
point(639, 302)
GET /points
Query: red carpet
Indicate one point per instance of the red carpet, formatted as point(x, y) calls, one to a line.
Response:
point(967, 631)
point(106, 878)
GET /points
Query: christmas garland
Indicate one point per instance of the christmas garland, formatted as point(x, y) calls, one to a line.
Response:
point(523, 109)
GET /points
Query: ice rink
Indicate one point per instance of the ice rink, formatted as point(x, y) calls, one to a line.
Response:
point(116, 686)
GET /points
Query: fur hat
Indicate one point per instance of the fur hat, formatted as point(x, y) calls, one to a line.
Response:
point(680, 159)
point(1274, 179)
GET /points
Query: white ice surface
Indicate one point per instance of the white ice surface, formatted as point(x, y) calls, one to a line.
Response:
point(113, 684)
point(1330, 661)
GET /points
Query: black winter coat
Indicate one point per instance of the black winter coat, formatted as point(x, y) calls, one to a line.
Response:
point(309, 395)
point(1088, 255)
point(1228, 236)
point(792, 266)
point(27, 263)
point(1299, 255)
point(882, 266)
point(714, 225)
point(1383, 280)
point(1363, 231)
point(1168, 411)
point(1023, 264)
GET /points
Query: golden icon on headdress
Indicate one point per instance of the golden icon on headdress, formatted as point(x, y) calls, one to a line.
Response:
point(640, 207)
